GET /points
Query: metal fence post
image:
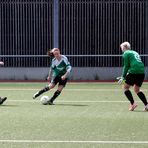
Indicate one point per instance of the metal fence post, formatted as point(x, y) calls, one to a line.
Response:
point(56, 23)
point(146, 50)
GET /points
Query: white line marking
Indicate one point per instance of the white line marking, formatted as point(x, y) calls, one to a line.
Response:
point(32, 89)
point(59, 141)
point(72, 101)
point(21, 89)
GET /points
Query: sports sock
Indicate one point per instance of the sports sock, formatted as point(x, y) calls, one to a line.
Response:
point(142, 97)
point(42, 91)
point(56, 94)
point(129, 95)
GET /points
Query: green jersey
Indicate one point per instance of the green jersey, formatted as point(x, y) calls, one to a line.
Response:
point(132, 63)
point(59, 68)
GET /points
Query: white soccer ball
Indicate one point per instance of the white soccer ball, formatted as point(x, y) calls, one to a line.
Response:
point(44, 100)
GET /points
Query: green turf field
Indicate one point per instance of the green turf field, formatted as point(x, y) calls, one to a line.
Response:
point(86, 115)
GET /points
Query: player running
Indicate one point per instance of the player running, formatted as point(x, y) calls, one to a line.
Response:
point(2, 99)
point(133, 74)
point(58, 73)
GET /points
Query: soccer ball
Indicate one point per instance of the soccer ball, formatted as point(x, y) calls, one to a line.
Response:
point(44, 100)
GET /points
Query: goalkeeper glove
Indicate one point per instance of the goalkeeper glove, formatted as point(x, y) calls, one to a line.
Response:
point(120, 80)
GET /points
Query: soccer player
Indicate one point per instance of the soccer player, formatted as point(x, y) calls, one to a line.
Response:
point(133, 74)
point(58, 73)
point(2, 99)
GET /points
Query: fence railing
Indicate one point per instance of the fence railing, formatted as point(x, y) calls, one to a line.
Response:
point(25, 29)
point(75, 60)
point(89, 31)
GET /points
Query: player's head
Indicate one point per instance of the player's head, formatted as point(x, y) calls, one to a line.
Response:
point(50, 53)
point(125, 46)
point(56, 52)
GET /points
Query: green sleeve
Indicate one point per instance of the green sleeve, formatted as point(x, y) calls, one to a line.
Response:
point(126, 65)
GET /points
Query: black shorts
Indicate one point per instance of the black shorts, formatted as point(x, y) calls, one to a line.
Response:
point(58, 79)
point(136, 79)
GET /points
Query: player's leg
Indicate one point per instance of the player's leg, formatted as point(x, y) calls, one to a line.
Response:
point(128, 93)
point(141, 95)
point(56, 94)
point(62, 84)
point(45, 89)
point(129, 96)
point(2, 100)
point(128, 82)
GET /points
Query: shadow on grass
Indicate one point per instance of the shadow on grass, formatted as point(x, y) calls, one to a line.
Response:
point(78, 105)
point(140, 111)
point(5, 105)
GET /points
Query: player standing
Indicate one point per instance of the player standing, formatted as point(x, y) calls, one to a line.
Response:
point(58, 73)
point(133, 74)
point(2, 99)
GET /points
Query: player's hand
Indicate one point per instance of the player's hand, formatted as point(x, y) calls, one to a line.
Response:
point(63, 77)
point(1, 63)
point(49, 78)
point(120, 80)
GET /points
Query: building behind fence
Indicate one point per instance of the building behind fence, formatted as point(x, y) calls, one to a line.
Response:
point(89, 32)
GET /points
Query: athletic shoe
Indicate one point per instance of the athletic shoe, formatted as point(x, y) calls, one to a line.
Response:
point(2, 100)
point(145, 108)
point(50, 102)
point(132, 107)
point(35, 95)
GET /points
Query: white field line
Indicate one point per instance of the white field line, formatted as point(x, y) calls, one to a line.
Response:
point(82, 142)
point(30, 89)
point(72, 101)
point(83, 89)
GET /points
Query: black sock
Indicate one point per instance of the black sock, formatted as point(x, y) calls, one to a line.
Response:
point(56, 94)
point(129, 96)
point(142, 97)
point(42, 91)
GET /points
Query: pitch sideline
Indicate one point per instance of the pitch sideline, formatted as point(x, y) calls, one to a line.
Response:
point(81, 89)
point(71, 141)
point(72, 101)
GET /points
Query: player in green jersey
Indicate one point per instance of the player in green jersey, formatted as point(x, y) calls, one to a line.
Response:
point(2, 99)
point(58, 73)
point(133, 75)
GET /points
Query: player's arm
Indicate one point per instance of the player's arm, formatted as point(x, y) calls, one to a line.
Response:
point(125, 69)
point(67, 73)
point(49, 74)
point(126, 66)
point(68, 69)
